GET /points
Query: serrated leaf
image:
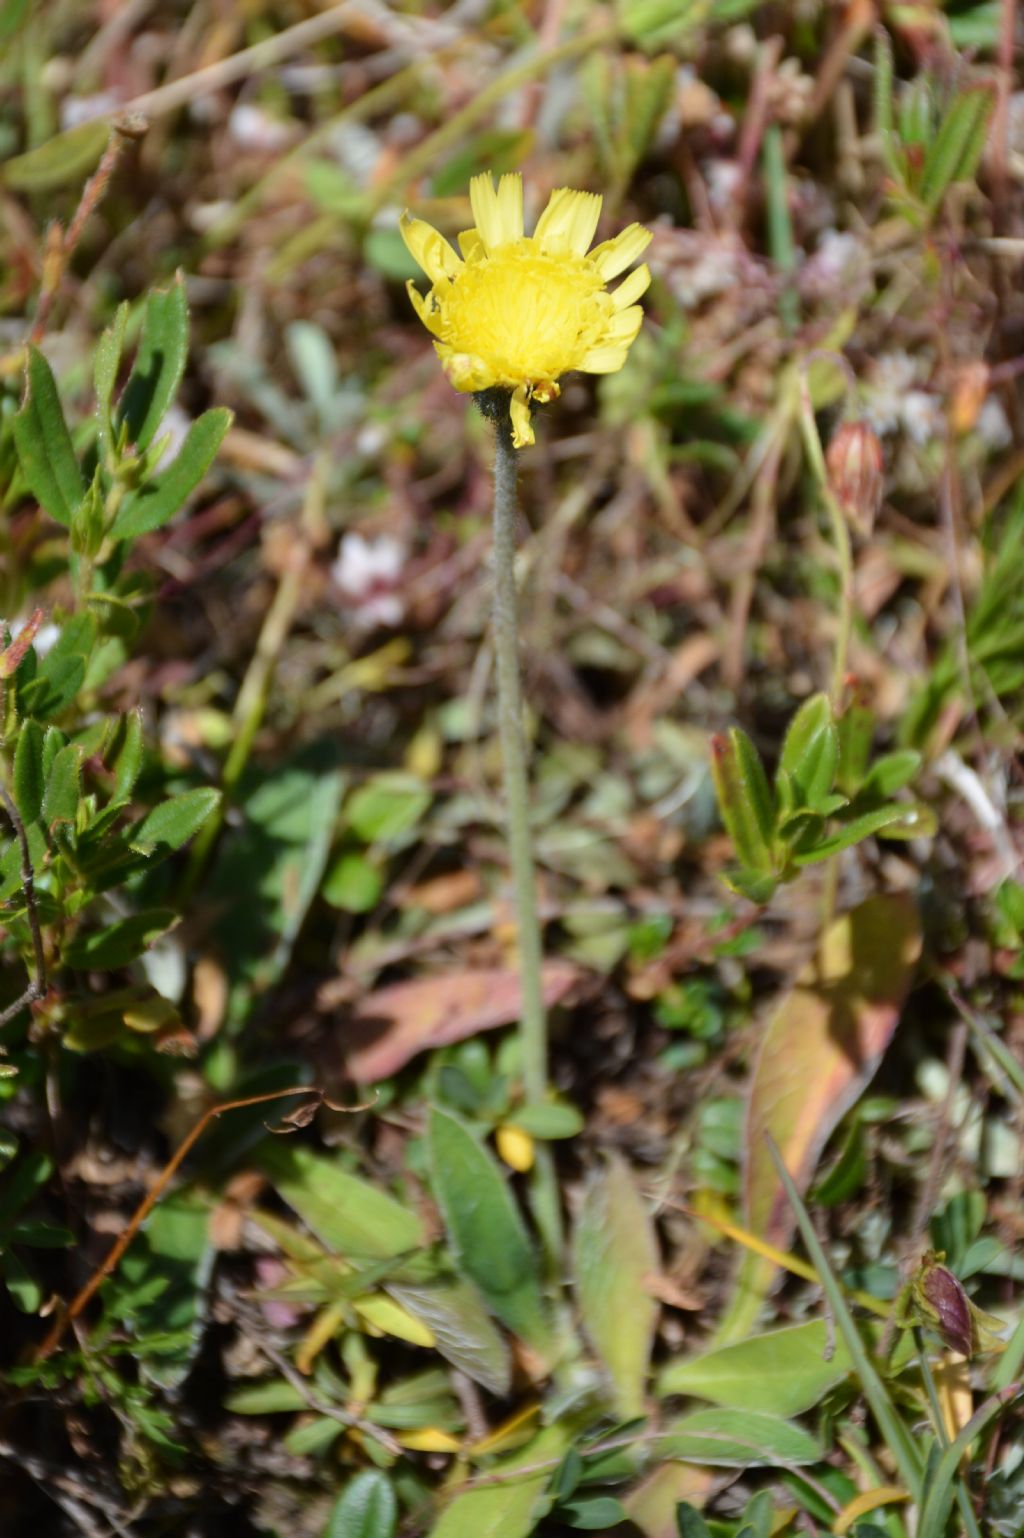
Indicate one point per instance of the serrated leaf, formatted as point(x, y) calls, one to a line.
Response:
point(489, 1240)
point(614, 1252)
point(174, 822)
point(29, 781)
point(66, 158)
point(744, 799)
point(810, 752)
point(119, 943)
point(45, 452)
point(160, 498)
point(105, 366)
point(366, 1508)
point(958, 145)
point(159, 365)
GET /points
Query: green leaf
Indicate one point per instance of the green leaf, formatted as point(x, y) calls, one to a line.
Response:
point(464, 1331)
point(61, 672)
point(690, 1523)
point(783, 1372)
point(958, 145)
point(891, 773)
point(810, 753)
point(366, 1508)
point(512, 1506)
point(592, 1513)
point(548, 1121)
point(29, 782)
point(744, 799)
point(351, 1217)
point(614, 1254)
point(63, 789)
point(489, 1240)
point(352, 884)
point(160, 498)
point(66, 158)
point(128, 763)
point(26, 1293)
point(275, 1397)
point(906, 1453)
point(856, 830)
point(159, 365)
point(173, 822)
point(388, 806)
point(45, 451)
point(105, 367)
point(744, 1438)
point(119, 943)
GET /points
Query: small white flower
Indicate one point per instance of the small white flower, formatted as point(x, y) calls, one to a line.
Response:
point(992, 426)
point(921, 415)
point(722, 178)
point(174, 428)
point(891, 377)
point(44, 639)
point(368, 572)
point(76, 110)
point(256, 130)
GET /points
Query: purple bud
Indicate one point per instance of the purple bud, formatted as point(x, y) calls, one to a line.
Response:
point(944, 1294)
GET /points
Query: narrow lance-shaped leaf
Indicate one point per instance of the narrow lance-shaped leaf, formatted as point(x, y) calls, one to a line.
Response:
point(105, 367)
point(488, 1236)
point(159, 365)
point(958, 145)
point(159, 499)
point(810, 753)
point(744, 798)
point(45, 451)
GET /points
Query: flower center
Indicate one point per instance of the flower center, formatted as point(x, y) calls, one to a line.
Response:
point(529, 315)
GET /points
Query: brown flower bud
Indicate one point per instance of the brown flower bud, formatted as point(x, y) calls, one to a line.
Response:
point(855, 473)
point(968, 396)
point(946, 1302)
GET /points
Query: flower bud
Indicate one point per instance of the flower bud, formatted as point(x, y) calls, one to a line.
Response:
point(947, 1307)
point(855, 473)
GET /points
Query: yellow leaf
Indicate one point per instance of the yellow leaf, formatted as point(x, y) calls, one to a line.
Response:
point(870, 1500)
point(430, 1440)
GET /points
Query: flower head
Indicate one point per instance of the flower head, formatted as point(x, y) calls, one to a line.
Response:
point(517, 311)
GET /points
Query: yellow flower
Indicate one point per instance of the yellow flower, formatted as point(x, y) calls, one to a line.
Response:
point(517, 311)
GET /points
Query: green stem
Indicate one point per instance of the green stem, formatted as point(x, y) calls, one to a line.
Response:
point(841, 540)
point(533, 1018)
point(844, 619)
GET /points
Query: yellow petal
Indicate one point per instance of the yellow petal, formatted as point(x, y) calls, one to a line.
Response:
point(424, 308)
point(515, 1147)
point(614, 256)
point(630, 289)
point(522, 428)
point(569, 221)
point(623, 327)
point(429, 248)
point(483, 200)
point(465, 370)
point(471, 246)
point(604, 359)
point(510, 206)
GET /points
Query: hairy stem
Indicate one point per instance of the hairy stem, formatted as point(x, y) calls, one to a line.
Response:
point(533, 1018)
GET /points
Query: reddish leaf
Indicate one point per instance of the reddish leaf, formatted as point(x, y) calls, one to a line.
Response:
point(820, 1051)
point(393, 1024)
